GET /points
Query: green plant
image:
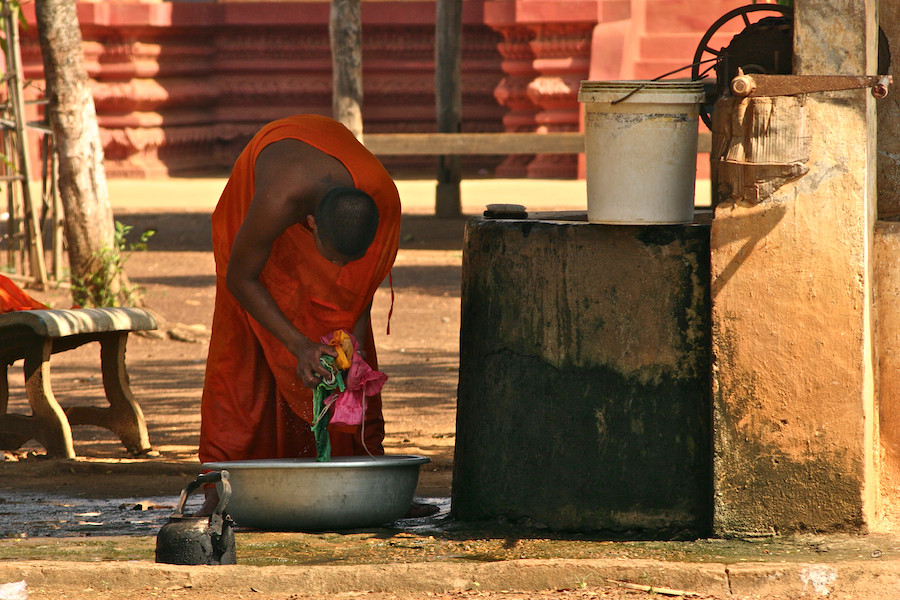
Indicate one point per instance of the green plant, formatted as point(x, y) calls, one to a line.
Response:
point(106, 284)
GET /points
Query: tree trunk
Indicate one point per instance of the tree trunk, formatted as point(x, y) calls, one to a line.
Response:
point(96, 272)
point(345, 30)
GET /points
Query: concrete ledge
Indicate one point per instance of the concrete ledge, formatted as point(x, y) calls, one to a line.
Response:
point(431, 577)
point(863, 579)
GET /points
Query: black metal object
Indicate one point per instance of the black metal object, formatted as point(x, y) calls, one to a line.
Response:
point(206, 540)
point(763, 47)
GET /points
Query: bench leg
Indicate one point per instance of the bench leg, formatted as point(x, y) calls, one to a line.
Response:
point(13, 431)
point(49, 423)
point(123, 416)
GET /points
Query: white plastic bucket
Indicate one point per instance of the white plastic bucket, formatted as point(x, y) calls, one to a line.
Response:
point(640, 150)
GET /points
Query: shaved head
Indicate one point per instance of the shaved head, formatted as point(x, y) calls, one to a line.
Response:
point(347, 219)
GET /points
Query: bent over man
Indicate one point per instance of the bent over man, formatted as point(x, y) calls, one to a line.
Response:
point(305, 231)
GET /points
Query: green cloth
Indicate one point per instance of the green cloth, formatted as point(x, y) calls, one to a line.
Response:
point(321, 414)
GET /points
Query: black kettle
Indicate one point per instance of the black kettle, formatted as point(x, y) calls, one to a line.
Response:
point(208, 540)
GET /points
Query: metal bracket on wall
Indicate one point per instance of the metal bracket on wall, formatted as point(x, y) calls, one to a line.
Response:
point(753, 85)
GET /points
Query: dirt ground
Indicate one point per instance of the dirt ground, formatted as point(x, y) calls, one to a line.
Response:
point(176, 274)
point(420, 357)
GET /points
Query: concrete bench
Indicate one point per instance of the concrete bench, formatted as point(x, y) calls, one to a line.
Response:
point(35, 335)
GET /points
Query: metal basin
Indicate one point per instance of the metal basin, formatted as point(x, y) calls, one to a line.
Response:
point(300, 494)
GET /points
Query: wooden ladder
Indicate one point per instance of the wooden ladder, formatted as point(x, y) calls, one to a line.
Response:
point(24, 235)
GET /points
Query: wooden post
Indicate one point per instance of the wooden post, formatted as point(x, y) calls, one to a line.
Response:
point(345, 32)
point(448, 98)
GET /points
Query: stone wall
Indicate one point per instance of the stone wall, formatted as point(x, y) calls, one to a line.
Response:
point(180, 87)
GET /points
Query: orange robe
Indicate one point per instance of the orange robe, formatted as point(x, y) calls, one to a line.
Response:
point(12, 298)
point(253, 404)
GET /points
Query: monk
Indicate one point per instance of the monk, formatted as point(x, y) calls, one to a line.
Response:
point(304, 232)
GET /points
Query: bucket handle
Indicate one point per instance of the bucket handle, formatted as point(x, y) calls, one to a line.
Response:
point(211, 477)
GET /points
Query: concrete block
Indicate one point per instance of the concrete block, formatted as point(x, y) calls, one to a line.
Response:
point(793, 381)
point(795, 422)
point(584, 399)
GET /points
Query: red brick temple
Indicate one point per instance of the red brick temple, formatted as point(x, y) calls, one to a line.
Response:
point(180, 87)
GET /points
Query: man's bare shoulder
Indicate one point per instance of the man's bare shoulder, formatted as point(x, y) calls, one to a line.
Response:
point(304, 165)
point(288, 152)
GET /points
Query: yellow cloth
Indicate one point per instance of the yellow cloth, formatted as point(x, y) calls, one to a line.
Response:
point(344, 347)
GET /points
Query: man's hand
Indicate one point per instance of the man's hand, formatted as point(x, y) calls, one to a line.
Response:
point(309, 369)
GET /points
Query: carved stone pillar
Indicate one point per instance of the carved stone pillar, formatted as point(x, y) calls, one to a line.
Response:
point(512, 93)
point(562, 56)
point(546, 53)
point(153, 96)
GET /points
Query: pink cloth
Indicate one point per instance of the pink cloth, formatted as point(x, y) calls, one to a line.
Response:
point(360, 382)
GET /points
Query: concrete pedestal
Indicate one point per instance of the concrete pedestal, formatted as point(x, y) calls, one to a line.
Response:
point(584, 397)
point(795, 412)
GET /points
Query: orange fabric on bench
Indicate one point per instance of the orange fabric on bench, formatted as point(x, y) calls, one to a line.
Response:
point(12, 298)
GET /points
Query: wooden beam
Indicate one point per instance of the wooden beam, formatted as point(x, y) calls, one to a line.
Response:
point(435, 144)
point(448, 97)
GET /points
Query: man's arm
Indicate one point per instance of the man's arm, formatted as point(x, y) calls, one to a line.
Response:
point(361, 330)
point(284, 188)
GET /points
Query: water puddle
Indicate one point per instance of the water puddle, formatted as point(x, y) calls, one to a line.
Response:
point(50, 515)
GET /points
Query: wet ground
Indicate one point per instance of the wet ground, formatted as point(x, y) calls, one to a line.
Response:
point(29, 516)
point(54, 515)
point(47, 526)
